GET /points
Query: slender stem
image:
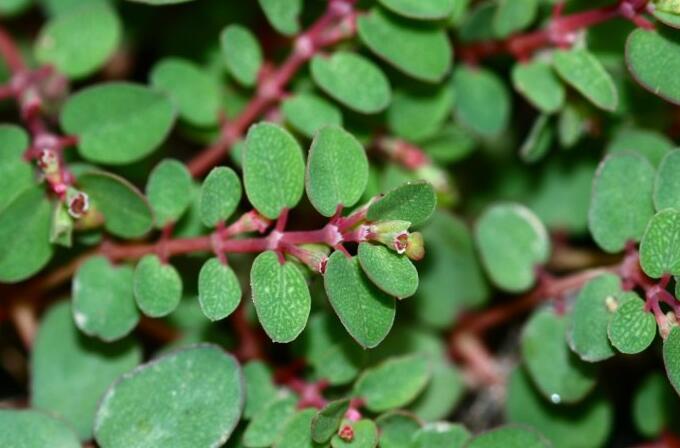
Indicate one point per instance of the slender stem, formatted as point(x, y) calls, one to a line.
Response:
point(10, 52)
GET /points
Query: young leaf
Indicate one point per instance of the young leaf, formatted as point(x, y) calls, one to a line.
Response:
point(512, 241)
point(632, 329)
point(273, 169)
point(396, 429)
point(353, 81)
point(266, 426)
point(365, 435)
point(103, 299)
point(242, 54)
point(260, 389)
point(281, 297)
point(296, 433)
point(126, 211)
point(476, 88)
point(391, 272)
point(671, 357)
point(327, 421)
point(660, 245)
point(419, 50)
point(366, 312)
point(169, 191)
point(653, 58)
point(440, 435)
point(194, 92)
point(418, 114)
point(308, 113)
point(423, 9)
point(337, 170)
point(29, 428)
point(16, 174)
point(584, 72)
point(157, 286)
point(283, 16)
point(621, 202)
point(539, 140)
point(394, 383)
point(87, 368)
point(412, 201)
point(192, 397)
point(220, 195)
point(537, 82)
point(667, 185)
point(514, 15)
point(509, 437)
point(219, 291)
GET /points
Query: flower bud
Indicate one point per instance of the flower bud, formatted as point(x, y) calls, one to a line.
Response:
point(393, 234)
point(78, 203)
point(415, 247)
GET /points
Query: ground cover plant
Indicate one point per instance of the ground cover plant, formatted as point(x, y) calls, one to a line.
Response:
point(339, 223)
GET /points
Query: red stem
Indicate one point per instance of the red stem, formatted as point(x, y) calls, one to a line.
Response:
point(10, 52)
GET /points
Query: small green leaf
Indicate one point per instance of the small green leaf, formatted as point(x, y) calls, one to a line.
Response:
point(16, 174)
point(444, 391)
point(353, 80)
point(29, 428)
point(440, 435)
point(632, 329)
point(260, 389)
point(572, 125)
point(514, 15)
point(267, 425)
point(337, 170)
point(10, 8)
point(412, 201)
point(394, 383)
point(296, 433)
point(396, 429)
point(194, 92)
point(419, 114)
point(126, 211)
point(242, 54)
point(584, 72)
point(308, 113)
point(512, 241)
point(450, 144)
point(621, 203)
point(667, 185)
point(327, 421)
point(273, 169)
point(671, 357)
point(220, 195)
point(476, 89)
point(87, 367)
point(393, 273)
point(160, 2)
point(653, 59)
point(667, 18)
point(648, 143)
point(421, 51)
point(219, 291)
point(157, 286)
point(366, 312)
point(169, 191)
point(537, 82)
point(283, 16)
point(117, 123)
point(189, 398)
point(655, 405)
point(422, 9)
point(81, 40)
point(281, 297)
point(538, 141)
point(660, 245)
point(365, 435)
point(509, 437)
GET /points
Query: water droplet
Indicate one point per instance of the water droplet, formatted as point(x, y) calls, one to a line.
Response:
point(555, 398)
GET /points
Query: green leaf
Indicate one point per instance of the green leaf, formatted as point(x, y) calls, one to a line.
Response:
point(25, 235)
point(9, 8)
point(273, 169)
point(655, 406)
point(308, 113)
point(117, 123)
point(260, 389)
point(509, 437)
point(621, 202)
point(660, 245)
point(327, 421)
point(412, 201)
point(440, 435)
point(450, 144)
point(266, 426)
point(126, 211)
point(160, 2)
point(419, 114)
point(87, 367)
point(220, 195)
point(283, 16)
point(667, 18)
point(194, 92)
point(366, 312)
point(189, 398)
point(337, 170)
point(632, 329)
point(653, 59)
point(572, 125)
point(514, 15)
point(16, 174)
point(169, 191)
point(396, 429)
point(419, 50)
point(650, 144)
point(557, 372)
point(422, 9)
point(476, 89)
point(443, 392)
point(667, 185)
point(389, 271)
point(103, 299)
point(296, 434)
point(281, 297)
point(512, 242)
point(365, 435)
point(537, 82)
point(157, 286)
point(79, 41)
point(242, 54)
point(352, 80)
point(671, 357)
point(393, 383)
point(29, 428)
point(219, 291)
point(584, 72)
point(539, 140)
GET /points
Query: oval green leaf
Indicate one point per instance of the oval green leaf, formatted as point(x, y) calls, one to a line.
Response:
point(660, 245)
point(242, 54)
point(219, 291)
point(476, 89)
point(412, 201)
point(283, 16)
point(220, 195)
point(365, 435)
point(537, 82)
point(509, 437)
point(653, 59)
point(16, 174)
point(632, 329)
point(417, 114)
point(667, 185)
point(29, 428)
point(585, 73)
point(671, 357)
point(157, 286)
point(169, 190)
point(268, 424)
point(422, 9)
point(327, 421)
point(308, 113)
point(393, 273)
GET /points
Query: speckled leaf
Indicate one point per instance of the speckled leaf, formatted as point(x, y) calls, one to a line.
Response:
point(422, 9)
point(412, 201)
point(308, 113)
point(366, 312)
point(514, 15)
point(584, 72)
point(648, 143)
point(188, 398)
point(16, 174)
point(220, 195)
point(417, 114)
point(660, 245)
point(117, 123)
point(337, 170)
point(169, 191)
point(103, 299)
point(512, 241)
point(537, 82)
point(296, 433)
point(266, 426)
point(632, 329)
point(219, 291)
point(671, 357)
point(621, 202)
point(157, 286)
point(440, 435)
point(260, 389)
point(282, 15)
point(509, 437)
point(667, 185)
point(126, 211)
point(365, 435)
point(87, 368)
point(327, 421)
point(281, 297)
point(29, 428)
point(393, 273)
point(421, 51)
point(353, 80)
point(273, 169)
point(242, 54)
point(476, 88)
point(653, 59)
